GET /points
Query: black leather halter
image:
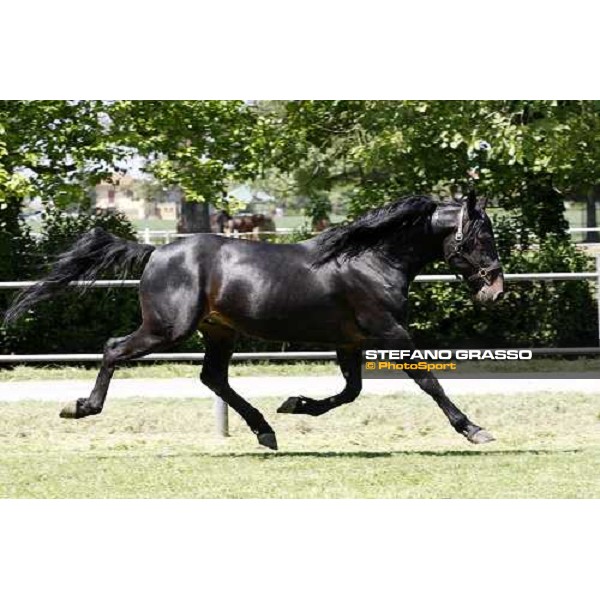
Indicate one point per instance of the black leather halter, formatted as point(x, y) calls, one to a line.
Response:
point(481, 273)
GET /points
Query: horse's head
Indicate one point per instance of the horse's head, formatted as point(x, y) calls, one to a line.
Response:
point(220, 221)
point(469, 248)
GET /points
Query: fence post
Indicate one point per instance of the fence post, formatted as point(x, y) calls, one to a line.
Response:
point(598, 292)
point(221, 417)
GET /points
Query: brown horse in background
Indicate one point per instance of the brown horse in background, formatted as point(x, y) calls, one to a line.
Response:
point(222, 222)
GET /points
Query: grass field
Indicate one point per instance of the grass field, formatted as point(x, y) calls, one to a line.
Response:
point(167, 370)
point(392, 447)
point(271, 369)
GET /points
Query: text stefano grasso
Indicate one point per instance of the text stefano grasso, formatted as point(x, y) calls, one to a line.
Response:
point(499, 354)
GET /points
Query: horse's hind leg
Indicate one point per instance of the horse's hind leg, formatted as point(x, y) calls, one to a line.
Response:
point(171, 305)
point(350, 362)
point(117, 350)
point(219, 343)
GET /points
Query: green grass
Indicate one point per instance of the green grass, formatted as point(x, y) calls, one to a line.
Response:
point(167, 370)
point(392, 447)
point(154, 224)
point(296, 221)
point(275, 368)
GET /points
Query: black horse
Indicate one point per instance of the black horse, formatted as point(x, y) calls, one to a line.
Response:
point(347, 287)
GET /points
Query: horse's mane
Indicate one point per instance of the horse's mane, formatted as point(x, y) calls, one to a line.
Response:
point(373, 229)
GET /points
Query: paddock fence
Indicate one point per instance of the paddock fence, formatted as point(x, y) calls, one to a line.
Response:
point(292, 356)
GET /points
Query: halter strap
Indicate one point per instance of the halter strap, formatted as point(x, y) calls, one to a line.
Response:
point(482, 273)
point(458, 236)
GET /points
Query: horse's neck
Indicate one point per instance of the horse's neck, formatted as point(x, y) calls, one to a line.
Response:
point(416, 253)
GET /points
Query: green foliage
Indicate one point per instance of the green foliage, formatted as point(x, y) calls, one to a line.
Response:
point(71, 322)
point(53, 149)
point(17, 248)
point(441, 314)
point(16, 242)
point(318, 209)
point(196, 145)
point(521, 150)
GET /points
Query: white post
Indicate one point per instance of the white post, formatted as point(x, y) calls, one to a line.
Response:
point(221, 417)
point(147, 235)
point(598, 292)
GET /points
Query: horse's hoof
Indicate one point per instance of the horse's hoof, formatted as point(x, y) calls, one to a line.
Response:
point(481, 436)
point(268, 439)
point(69, 411)
point(290, 405)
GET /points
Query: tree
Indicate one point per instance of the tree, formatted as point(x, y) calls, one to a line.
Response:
point(53, 149)
point(528, 154)
point(196, 145)
point(56, 149)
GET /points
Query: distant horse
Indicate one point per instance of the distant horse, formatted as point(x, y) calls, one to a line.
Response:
point(347, 287)
point(219, 221)
point(222, 222)
point(321, 224)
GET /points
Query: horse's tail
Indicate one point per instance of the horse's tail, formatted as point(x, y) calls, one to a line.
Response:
point(94, 252)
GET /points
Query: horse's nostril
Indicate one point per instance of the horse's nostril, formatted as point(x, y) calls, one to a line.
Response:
point(497, 296)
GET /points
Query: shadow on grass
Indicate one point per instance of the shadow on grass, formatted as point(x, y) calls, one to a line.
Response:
point(383, 454)
point(363, 454)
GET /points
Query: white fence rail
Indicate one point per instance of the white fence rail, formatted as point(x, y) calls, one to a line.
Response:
point(568, 276)
point(583, 229)
point(242, 356)
point(165, 236)
point(171, 356)
point(147, 235)
point(130, 283)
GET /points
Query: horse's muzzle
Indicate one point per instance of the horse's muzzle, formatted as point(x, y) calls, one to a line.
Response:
point(492, 292)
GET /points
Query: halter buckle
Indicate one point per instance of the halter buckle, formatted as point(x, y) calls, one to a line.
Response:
point(486, 275)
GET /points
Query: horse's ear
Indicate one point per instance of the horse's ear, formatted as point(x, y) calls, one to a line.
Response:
point(471, 201)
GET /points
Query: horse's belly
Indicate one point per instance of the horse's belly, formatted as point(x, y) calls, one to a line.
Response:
point(294, 307)
point(318, 327)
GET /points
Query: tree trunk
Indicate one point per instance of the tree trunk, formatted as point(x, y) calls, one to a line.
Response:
point(193, 217)
point(592, 237)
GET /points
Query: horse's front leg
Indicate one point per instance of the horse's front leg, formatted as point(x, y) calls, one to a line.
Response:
point(388, 334)
point(350, 363)
point(459, 420)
